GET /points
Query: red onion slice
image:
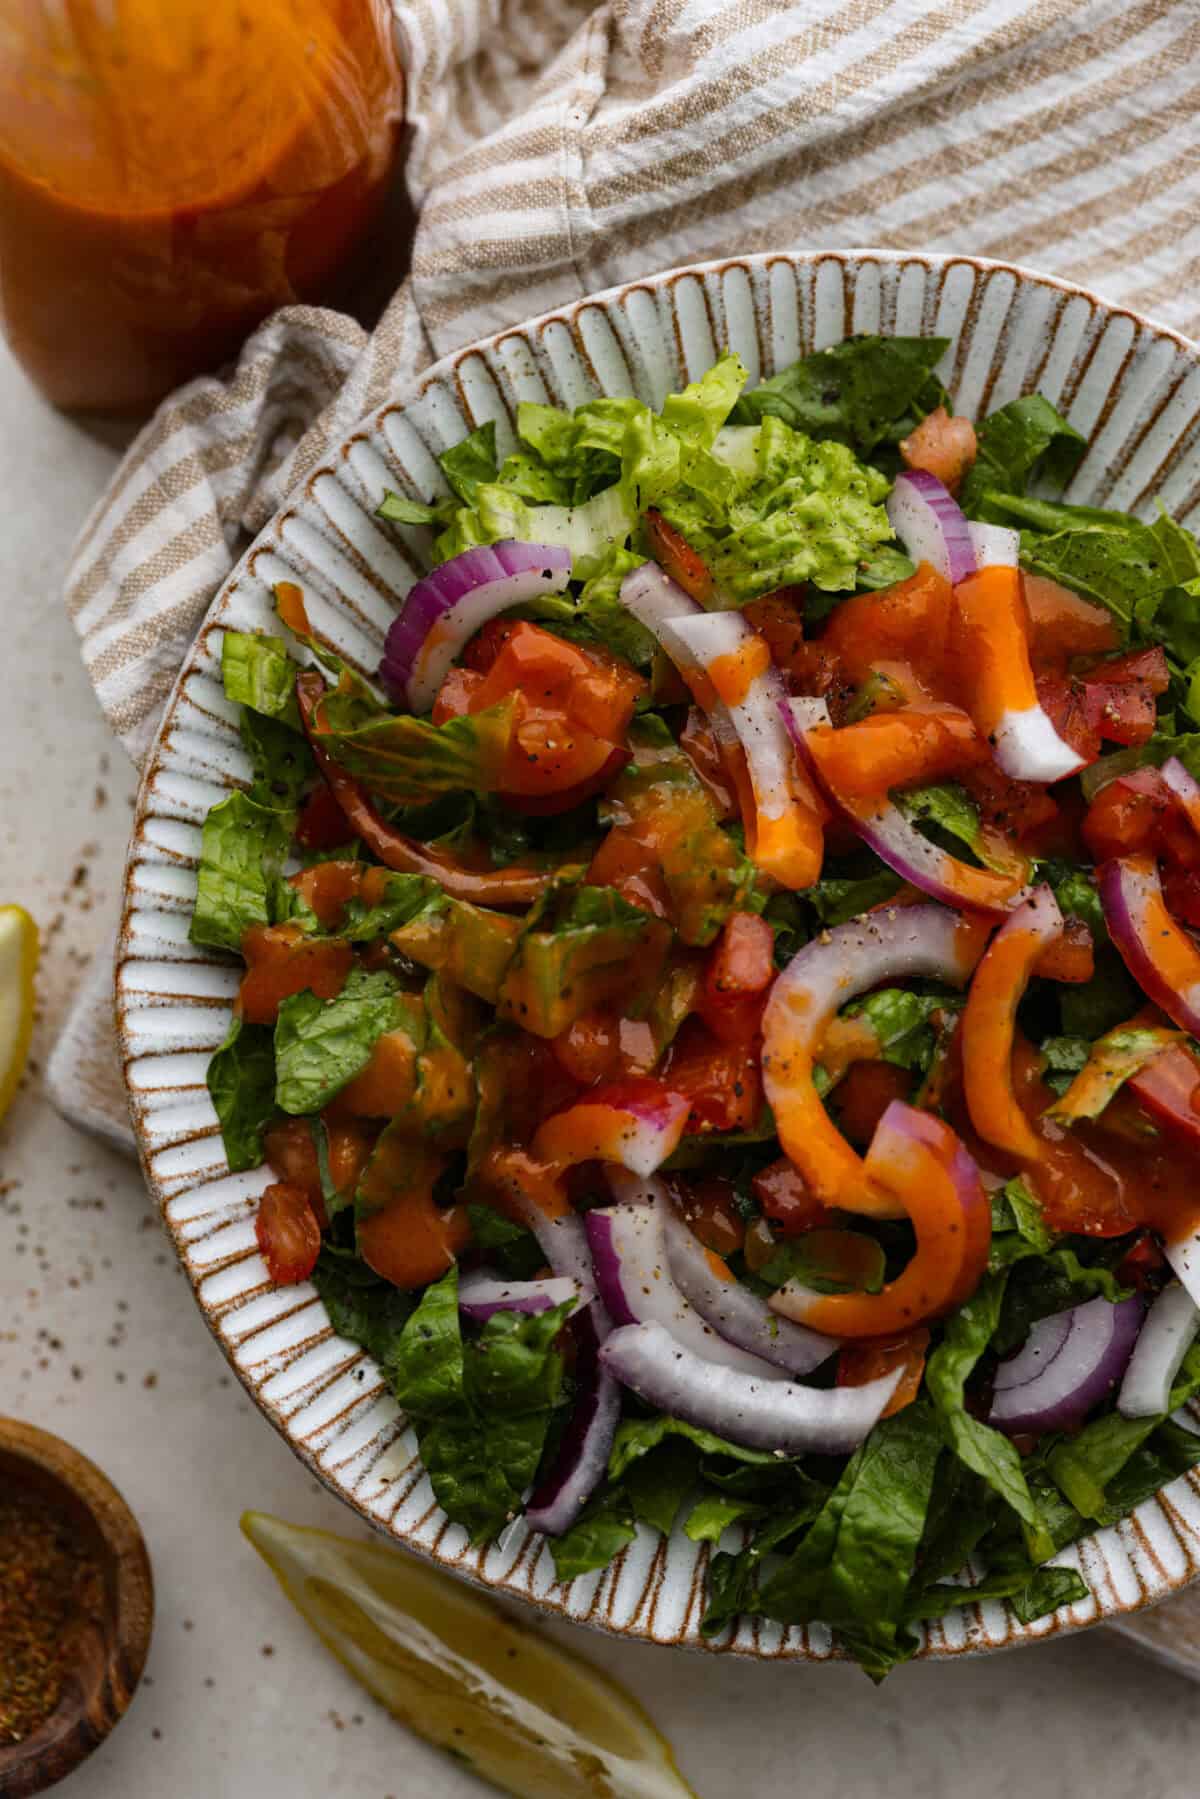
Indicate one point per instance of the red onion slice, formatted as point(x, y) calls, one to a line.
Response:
point(892, 945)
point(1058, 1377)
point(483, 1292)
point(930, 525)
point(1167, 1335)
point(635, 1123)
point(743, 1408)
point(786, 835)
point(738, 1315)
point(994, 546)
point(659, 604)
point(1185, 787)
point(896, 840)
point(582, 1459)
point(634, 1278)
point(444, 609)
point(1158, 953)
point(1028, 748)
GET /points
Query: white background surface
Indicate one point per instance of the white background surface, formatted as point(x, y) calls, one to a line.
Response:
point(100, 1342)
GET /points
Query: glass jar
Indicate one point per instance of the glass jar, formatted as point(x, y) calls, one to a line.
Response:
point(171, 171)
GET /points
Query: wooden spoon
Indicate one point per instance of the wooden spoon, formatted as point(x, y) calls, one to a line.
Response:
point(109, 1653)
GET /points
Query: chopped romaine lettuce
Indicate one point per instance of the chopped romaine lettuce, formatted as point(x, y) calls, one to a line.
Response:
point(241, 1084)
point(320, 1045)
point(258, 672)
point(580, 947)
point(242, 850)
point(863, 392)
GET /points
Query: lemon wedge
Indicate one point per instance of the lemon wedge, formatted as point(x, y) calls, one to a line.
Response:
point(18, 964)
point(514, 1707)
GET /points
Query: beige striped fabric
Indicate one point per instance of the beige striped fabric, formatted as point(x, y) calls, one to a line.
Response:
point(558, 148)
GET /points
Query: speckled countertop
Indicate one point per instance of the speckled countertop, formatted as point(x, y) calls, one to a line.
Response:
point(100, 1341)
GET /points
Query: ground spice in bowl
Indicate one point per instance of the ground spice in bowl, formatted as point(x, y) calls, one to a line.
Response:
point(51, 1586)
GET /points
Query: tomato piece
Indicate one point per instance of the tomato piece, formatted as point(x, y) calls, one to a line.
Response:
point(1181, 890)
point(1142, 1265)
point(941, 445)
point(288, 1234)
point(456, 693)
point(672, 551)
point(629, 860)
point(1140, 668)
point(864, 1095)
point(710, 1207)
point(281, 961)
point(721, 1081)
point(322, 823)
point(1072, 959)
point(1122, 714)
point(292, 1155)
point(1016, 808)
point(779, 617)
point(740, 969)
point(1070, 708)
point(481, 653)
point(1125, 816)
point(699, 745)
point(873, 1357)
point(908, 623)
point(1063, 625)
point(781, 1191)
point(600, 1044)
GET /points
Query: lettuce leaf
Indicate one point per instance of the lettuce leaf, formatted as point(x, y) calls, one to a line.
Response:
point(1128, 569)
point(257, 671)
point(241, 1084)
point(320, 1045)
point(283, 764)
point(604, 1527)
point(837, 901)
point(1033, 1593)
point(658, 1483)
point(481, 1409)
point(362, 1307)
point(1023, 440)
point(589, 530)
point(579, 947)
point(468, 943)
point(471, 462)
point(636, 1437)
point(398, 509)
point(242, 850)
point(407, 760)
point(1086, 1466)
point(862, 392)
point(901, 1022)
point(986, 1452)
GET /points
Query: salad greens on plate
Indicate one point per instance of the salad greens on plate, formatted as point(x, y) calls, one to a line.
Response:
point(720, 1006)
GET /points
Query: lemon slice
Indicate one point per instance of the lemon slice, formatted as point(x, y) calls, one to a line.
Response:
point(514, 1707)
point(18, 962)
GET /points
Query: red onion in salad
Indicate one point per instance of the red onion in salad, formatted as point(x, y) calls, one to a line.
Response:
point(994, 546)
point(658, 604)
point(582, 1459)
point(444, 609)
point(737, 1314)
point(1070, 1362)
point(634, 1278)
point(1167, 1335)
point(636, 1123)
point(891, 945)
point(895, 839)
point(1158, 953)
point(786, 836)
point(760, 1414)
point(483, 1292)
point(1185, 787)
point(930, 524)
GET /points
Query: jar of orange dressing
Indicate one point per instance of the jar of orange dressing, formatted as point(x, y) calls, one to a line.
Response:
point(171, 171)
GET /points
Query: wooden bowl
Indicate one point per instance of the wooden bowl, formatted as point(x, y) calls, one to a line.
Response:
point(110, 1654)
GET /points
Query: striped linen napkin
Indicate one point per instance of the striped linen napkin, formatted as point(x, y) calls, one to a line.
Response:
point(558, 148)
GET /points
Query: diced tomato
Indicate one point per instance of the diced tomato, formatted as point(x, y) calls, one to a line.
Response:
point(699, 745)
point(292, 1155)
point(907, 623)
point(710, 1206)
point(1125, 817)
point(600, 1045)
point(1063, 625)
point(943, 446)
point(1016, 808)
point(403, 1234)
point(672, 551)
point(1142, 668)
point(864, 1094)
point(281, 961)
point(868, 1360)
point(722, 1081)
point(740, 970)
point(456, 693)
point(628, 859)
point(1072, 958)
point(781, 1192)
point(288, 1234)
point(1181, 890)
point(779, 617)
point(1142, 1264)
point(573, 706)
point(1066, 702)
point(1123, 713)
point(322, 823)
point(1114, 700)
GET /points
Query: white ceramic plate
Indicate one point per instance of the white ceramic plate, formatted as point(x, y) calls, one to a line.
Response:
point(1132, 388)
